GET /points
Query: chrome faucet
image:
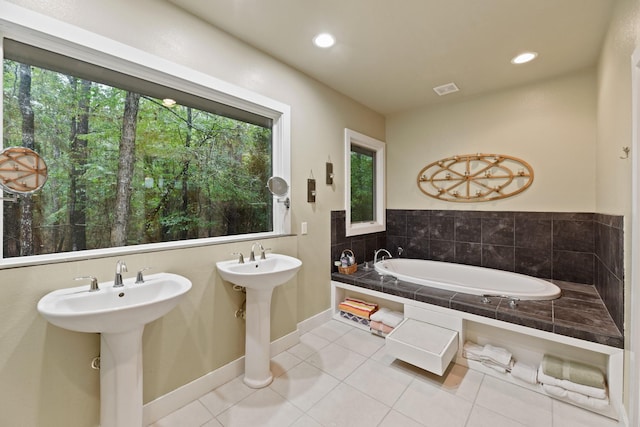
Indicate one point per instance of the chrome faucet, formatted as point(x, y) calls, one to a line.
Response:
point(375, 255)
point(240, 257)
point(120, 267)
point(140, 276)
point(252, 257)
point(94, 282)
point(375, 260)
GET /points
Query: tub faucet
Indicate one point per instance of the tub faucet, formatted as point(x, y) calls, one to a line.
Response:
point(375, 255)
point(120, 267)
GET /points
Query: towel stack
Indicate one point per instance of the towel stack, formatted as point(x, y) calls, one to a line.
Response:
point(496, 358)
point(357, 310)
point(577, 382)
point(384, 320)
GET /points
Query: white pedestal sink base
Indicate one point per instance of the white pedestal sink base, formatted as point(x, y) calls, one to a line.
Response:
point(259, 278)
point(257, 355)
point(121, 379)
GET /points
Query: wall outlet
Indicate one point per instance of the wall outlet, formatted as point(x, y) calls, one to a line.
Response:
point(303, 228)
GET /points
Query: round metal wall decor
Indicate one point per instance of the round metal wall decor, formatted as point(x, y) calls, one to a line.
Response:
point(475, 177)
point(22, 170)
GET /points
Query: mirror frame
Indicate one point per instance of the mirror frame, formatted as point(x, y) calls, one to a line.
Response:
point(279, 183)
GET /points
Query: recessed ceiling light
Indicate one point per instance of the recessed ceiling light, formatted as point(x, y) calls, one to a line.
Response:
point(168, 102)
point(324, 40)
point(524, 57)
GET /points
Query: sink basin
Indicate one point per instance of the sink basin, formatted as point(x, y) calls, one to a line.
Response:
point(261, 274)
point(114, 310)
point(119, 315)
point(259, 278)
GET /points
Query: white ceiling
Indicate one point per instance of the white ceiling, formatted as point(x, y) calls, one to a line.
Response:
point(391, 53)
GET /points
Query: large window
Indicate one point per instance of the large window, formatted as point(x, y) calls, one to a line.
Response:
point(364, 189)
point(131, 161)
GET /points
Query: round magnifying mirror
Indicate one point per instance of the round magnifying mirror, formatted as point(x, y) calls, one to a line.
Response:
point(22, 170)
point(277, 186)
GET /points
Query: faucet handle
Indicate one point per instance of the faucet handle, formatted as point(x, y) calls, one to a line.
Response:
point(140, 277)
point(262, 253)
point(240, 257)
point(121, 266)
point(94, 282)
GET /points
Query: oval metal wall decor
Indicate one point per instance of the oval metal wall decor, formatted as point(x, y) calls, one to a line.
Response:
point(475, 177)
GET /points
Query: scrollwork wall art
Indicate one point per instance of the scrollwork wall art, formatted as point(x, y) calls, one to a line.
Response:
point(475, 177)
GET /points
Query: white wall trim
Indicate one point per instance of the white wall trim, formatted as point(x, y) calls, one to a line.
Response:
point(36, 29)
point(352, 137)
point(633, 326)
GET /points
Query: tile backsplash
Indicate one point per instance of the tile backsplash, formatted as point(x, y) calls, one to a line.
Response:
point(575, 247)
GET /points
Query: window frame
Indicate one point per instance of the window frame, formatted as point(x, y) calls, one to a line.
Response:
point(352, 137)
point(28, 27)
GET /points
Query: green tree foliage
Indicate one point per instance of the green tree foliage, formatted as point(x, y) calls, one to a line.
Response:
point(196, 174)
point(362, 182)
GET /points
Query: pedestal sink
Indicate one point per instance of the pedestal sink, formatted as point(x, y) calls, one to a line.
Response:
point(119, 315)
point(259, 278)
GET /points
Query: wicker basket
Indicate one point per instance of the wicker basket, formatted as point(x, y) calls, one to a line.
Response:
point(351, 268)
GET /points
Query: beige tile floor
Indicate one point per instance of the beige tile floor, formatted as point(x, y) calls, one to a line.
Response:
point(339, 375)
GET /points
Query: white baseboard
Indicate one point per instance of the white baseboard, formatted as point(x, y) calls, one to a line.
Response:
point(176, 399)
point(314, 321)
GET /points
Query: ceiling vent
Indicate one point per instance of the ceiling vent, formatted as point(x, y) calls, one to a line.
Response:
point(446, 89)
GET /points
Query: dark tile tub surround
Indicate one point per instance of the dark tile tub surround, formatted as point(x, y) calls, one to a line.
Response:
point(362, 246)
point(578, 313)
point(581, 248)
point(609, 264)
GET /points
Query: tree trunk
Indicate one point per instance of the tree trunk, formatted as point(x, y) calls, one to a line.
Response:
point(79, 155)
point(125, 170)
point(183, 233)
point(28, 139)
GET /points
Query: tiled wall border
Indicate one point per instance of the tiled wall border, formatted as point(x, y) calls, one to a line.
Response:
point(609, 264)
point(575, 247)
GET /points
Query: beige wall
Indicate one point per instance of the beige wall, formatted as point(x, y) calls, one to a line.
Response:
point(613, 186)
point(614, 183)
point(550, 124)
point(571, 130)
point(45, 378)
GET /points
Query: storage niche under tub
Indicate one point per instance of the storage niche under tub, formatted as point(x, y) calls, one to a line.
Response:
point(531, 351)
point(339, 295)
point(527, 345)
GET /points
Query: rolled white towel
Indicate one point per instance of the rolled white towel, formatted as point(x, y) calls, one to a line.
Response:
point(524, 372)
point(392, 318)
point(576, 397)
point(497, 354)
point(598, 393)
point(388, 317)
point(377, 316)
point(471, 350)
point(495, 367)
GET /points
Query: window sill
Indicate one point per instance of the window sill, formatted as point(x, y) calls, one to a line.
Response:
point(35, 260)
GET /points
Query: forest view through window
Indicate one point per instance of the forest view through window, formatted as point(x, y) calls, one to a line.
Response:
point(362, 184)
point(125, 165)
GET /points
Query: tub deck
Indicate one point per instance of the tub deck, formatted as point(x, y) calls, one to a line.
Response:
point(578, 313)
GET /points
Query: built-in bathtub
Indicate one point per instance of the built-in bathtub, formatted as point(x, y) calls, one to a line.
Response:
point(468, 279)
